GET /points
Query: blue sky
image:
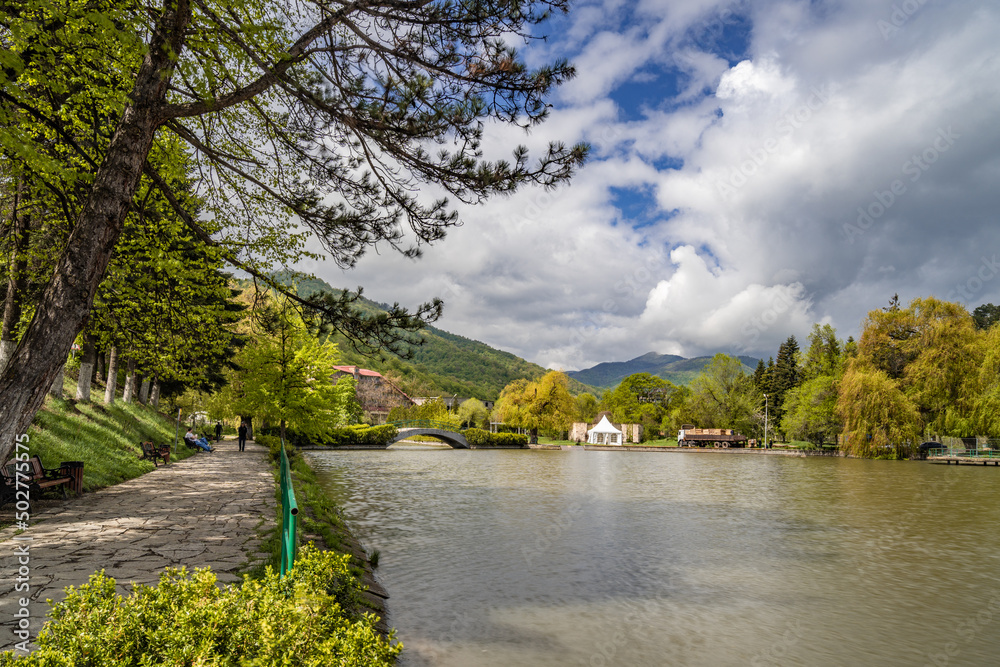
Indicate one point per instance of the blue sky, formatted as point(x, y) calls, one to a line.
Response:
point(756, 167)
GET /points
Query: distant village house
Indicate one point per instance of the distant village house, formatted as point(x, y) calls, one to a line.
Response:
point(376, 394)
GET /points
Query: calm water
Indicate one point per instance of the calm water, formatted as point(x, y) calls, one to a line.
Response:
point(615, 558)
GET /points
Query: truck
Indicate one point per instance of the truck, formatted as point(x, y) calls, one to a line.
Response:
point(689, 436)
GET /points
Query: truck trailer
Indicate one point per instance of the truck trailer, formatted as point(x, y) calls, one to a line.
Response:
point(689, 436)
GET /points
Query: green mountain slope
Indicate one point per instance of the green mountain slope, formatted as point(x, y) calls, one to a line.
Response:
point(445, 365)
point(667, 366)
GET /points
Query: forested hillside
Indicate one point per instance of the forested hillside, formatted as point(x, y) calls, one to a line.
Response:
point(446, 364)
point(667, 366)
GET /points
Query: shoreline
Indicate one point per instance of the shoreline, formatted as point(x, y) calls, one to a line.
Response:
point(696, 450)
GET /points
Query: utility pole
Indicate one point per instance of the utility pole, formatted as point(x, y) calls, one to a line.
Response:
point(765, 421)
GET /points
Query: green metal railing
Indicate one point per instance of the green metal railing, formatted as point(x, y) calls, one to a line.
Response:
point(290, 510)
point(965, 453)
point(425, 423)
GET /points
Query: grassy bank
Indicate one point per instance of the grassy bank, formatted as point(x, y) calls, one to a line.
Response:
point(105, 438)
point(320, 522)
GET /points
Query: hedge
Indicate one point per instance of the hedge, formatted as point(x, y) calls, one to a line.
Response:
point(361, 436)
point(358, 435)
point(477, 437)
point(305, 619)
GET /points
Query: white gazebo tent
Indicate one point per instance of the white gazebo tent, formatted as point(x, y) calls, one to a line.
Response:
point(604, 434)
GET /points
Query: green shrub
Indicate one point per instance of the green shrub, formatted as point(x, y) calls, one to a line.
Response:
point(477, 437)
point(305, 619)
point(361, 436)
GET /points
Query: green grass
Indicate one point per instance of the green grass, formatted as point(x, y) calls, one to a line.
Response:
point(106, 439)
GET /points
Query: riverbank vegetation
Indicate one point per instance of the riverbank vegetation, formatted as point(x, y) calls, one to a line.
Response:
point(187, 619)
point(927, 370)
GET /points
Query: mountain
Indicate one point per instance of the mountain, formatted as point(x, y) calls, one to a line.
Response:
point(667, 366)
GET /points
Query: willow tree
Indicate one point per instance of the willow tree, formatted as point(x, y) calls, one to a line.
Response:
point(880, 422)
point(326, 113)
point(542, 404)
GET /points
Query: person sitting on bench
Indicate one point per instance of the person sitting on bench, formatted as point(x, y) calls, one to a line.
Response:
point(194, 441)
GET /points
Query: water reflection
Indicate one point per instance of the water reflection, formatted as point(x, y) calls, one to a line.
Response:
point(608, 558)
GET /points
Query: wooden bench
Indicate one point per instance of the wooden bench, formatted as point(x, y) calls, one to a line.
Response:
point(36, 479)
point(151, 452)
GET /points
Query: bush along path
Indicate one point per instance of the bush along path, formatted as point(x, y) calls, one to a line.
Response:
point(208, 510)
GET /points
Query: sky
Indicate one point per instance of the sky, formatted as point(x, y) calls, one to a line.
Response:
point(756, 167)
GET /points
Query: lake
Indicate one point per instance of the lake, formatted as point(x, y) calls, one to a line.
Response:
point(521, 557)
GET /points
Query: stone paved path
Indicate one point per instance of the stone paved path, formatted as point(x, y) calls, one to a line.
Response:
point(206, 510)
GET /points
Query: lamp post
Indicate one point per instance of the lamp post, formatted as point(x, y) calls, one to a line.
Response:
point(765, 421)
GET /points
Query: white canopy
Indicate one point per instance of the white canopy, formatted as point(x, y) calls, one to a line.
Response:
point(604, 434)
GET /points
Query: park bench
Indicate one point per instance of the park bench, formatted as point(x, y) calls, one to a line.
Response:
point(36, 479)
point(151, 452)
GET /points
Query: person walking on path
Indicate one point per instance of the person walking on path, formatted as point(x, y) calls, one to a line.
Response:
point(243, 436)
point(218, 431)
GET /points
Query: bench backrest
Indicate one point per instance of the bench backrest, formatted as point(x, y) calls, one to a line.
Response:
point(36, 466)
point(147, 447)
point(9, 472)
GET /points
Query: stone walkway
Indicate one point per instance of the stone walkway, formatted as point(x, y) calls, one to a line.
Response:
point(206, 510)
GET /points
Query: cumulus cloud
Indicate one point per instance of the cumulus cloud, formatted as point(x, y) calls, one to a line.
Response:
point(732, 201)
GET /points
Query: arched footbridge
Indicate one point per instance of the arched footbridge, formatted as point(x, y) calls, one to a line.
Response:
point(440, 430)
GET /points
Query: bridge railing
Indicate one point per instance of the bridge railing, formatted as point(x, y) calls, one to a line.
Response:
point(426, 423)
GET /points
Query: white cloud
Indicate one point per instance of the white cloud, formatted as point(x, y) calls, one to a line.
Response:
point(750, 209)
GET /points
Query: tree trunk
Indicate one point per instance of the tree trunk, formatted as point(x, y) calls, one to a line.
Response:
point(144, 391)
point(99, 368)
point(66, 302)
point(112, 384)
point(249, 422)
point(128, 394)
point(16, 281)
point(56, 388)
point(154, 398)
point(87, 364)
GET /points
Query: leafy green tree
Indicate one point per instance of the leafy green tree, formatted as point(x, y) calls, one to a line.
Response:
point(785, 377)
point(986, 315)
point(724, 396)
point(932, 355)
point(809, 410)
point(586, 407)
point(825, 354)
point(473, 412)
point(640, 398)
point(285, 375)
point(259, 95)
point(879, 420)
point(542, 404)
point(986, 413)
point(346, 408)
